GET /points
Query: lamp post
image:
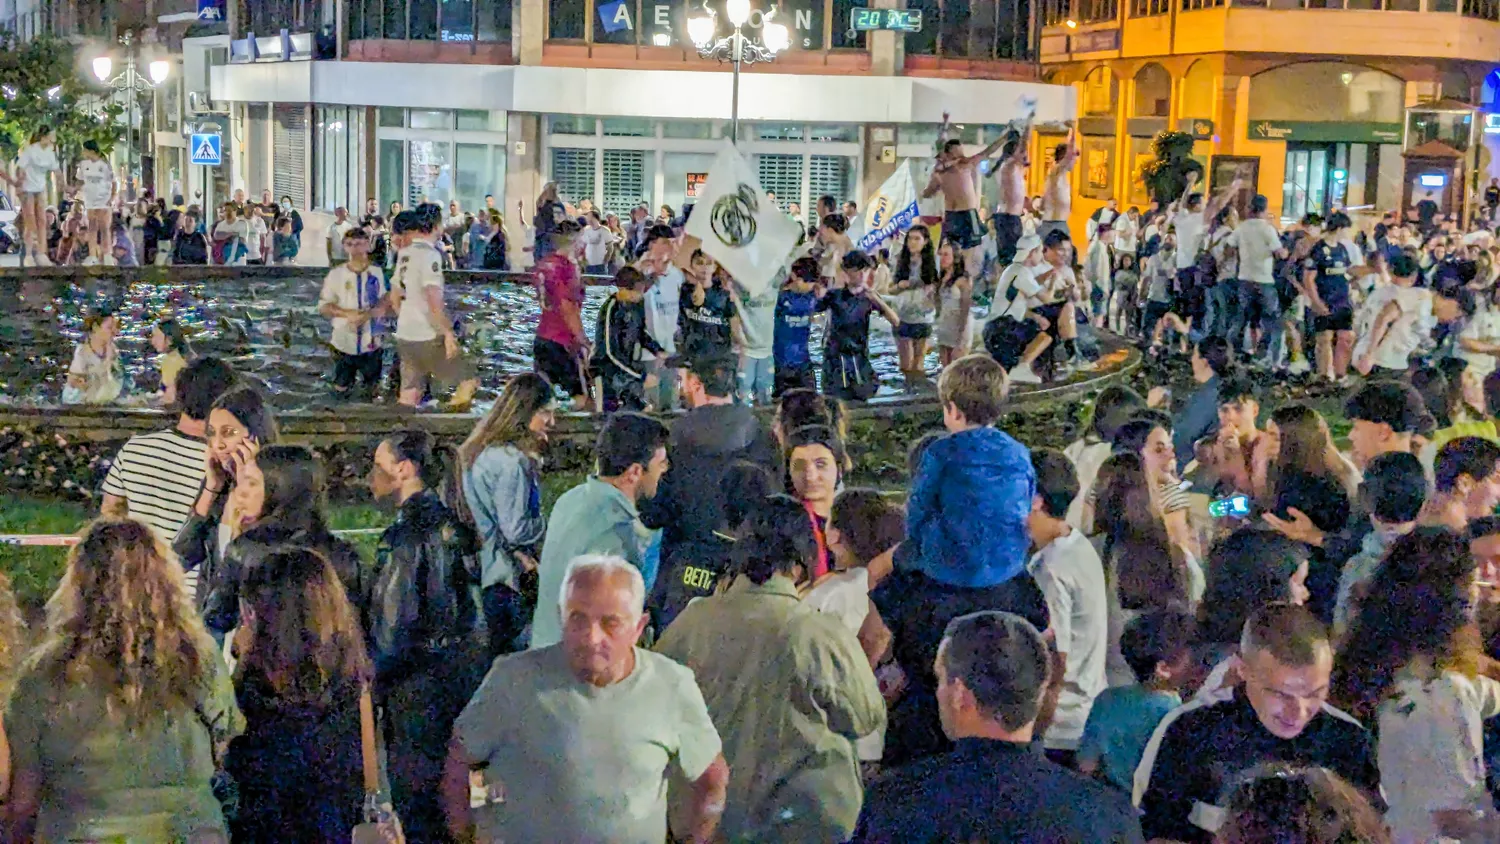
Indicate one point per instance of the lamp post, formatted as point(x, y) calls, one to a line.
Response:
point(130, 83)
point(735, 47)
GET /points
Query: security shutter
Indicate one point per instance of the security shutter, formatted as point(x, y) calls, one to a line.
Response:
point(830, 174)
point(573, 170)
point(289, 137)
point(624, 180)
point(781, 175)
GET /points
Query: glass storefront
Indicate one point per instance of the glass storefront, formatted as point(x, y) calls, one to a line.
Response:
point(440, 156)
point(339, 133)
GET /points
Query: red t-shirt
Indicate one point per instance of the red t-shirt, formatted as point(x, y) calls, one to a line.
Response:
point(558, 281)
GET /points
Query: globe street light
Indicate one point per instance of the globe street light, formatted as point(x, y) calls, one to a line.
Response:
point(735, 47)
point(130, 83)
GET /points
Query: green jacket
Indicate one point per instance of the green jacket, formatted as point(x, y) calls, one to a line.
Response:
point(789, 690)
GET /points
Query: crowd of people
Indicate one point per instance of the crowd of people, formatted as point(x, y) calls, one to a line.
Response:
point(1200, 622)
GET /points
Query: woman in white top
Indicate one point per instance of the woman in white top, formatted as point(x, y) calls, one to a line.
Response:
point(234, 233)
point(94, 376)
point(954, 297)
point(255, 242)
point(912, 289)
point(35, 163)
point(1410, 667)
point(1127, 231)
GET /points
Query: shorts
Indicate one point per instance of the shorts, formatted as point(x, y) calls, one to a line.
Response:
point(364, 367)
point(1339, 320)
point(423, 359)
point(553, 360)
point(1006, 339)
point(1007, 234)
point(91, 205)
point(963, 228)
point(1053, 313)
point(914, 330)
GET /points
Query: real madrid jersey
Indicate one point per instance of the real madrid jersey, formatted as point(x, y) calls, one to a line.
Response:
point(418, 268)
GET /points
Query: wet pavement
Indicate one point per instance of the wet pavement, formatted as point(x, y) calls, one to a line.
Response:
point(269, 329)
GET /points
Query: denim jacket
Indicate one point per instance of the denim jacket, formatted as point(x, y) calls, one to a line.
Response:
point(505, 495)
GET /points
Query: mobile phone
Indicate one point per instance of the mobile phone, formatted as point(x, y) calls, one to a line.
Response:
point(1233, 507)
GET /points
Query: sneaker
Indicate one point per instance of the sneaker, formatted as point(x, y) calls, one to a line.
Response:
point(1022, 374)
point(42, 261)
point(90, 261)
point(1084, 365)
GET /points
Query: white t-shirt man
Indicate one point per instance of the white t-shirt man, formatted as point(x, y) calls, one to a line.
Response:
point(1072, 580)
point(1405, 334)
point(1484, 326)
point(255, 243)
point(1018, 287)
point(336, 234)
point(98, 183)
point(36, 162)
point(595, 241)
point(663, 301)
point(1189, 226)
point(237, 229)
point(1257, 243)
point(355, 291)
point(418, 268)
point(572, 762)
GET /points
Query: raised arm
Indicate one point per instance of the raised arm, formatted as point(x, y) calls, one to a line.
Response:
point(1212, 206)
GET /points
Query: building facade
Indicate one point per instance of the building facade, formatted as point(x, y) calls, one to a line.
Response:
point(1319, 103)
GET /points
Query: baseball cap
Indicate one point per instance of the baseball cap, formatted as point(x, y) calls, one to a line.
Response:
point(719, 373)
point(1027, 243)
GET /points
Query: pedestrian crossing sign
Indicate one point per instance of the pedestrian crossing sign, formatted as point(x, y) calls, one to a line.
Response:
point(206, 149)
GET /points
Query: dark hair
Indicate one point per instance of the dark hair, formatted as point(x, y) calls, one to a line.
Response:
point(1431, 384)
point(827, 199)
point(777, 539)
point(564, 230)
point(1404, 265)
point(200, 384)
point(403, 222)
point(1321, 498)
point(870, 523)
point(1387, 402)
point(1216, 353)
point(918, 451)
point(429, 217)
point(1259, 204)
point(927, 273)
point(1394, 487)
point(1130, 438)
point(1235, 388)
point(1247, 570)
point(247, 405)
point(717, 373)
point(1002, 660)
point(295, 489)
point(658, 231)
point(806, 269)
point(1055, 238)
point(630, 278)
point(1060, 151)
point(744, 487)
point(1472, 457)
point(1155, 637)
point(856, 260)
point(801, 407)
point(1287, 804)
point(625, 440)
point(1336, 221)
point(176, 338)
point(1147, 569)
point(1417, 604)
point(1056, 481)
point(836, 221)
point(949, 144)
point(817, 435)
point(433, 462)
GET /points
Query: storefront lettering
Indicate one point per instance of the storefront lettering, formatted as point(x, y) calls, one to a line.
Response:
point(1272, 132)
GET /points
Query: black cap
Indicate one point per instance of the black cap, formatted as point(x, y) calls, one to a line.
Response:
point(719, 373)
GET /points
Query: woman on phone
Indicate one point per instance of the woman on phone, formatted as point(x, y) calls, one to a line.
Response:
point(239, 424)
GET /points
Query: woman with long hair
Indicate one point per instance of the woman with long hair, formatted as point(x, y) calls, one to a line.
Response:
point(913, 290)
point(36, 162)
point(815, 461)
point(1148, 571)
point(278, 501)
point(1113, 407)
point(240, 423)
point(1299, 444)
point(170, 341)
point(1288, 804)
point(1247, 570)
point(1413, 667)
point(95, 376)
point(501, 465)
point(1149, 435)
point(301, 672)
point(115, 720)
point(954, 297)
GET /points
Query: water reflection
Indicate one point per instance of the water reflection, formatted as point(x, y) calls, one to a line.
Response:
point(270, 330)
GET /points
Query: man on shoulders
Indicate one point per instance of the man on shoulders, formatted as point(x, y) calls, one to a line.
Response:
point(1279, 714)
point(708, 439)
point(599, 516)
point(992, 670)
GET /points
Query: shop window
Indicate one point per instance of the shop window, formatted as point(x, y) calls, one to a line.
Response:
point(846, 133)
point(431, 173)
point(567, 19)
point(844, 37)
point(1327, 91)
point(393, 20)
point(625, 180)
point(431, 119)
point(571, 124)
point(697, 130)
point(925, 134)
point(1096, 163)
point(471, 169)
point(492, 18)
point(573, 170)
point(391, 118)
point(481, 121)
point(392, 173)
point(424, 20)
point(456, 21)
point(615, 21)
point(978, 29)
point(1148, 8)
point(628, 127)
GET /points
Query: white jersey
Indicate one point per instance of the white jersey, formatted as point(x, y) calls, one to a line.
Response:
point(418, 268)
point(98, 183)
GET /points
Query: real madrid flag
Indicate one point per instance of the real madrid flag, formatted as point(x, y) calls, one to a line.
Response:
point(740, 228)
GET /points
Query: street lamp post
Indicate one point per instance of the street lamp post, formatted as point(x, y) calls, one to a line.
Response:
point(132, 84)
point(735, 47)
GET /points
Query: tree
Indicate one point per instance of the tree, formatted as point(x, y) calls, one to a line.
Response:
point(1166, 177)
point(40, 85)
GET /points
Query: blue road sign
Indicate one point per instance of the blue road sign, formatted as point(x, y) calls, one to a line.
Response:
point(206, 149)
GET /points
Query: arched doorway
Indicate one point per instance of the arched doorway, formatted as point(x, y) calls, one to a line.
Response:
point(1153, 92)
point(1198, 91)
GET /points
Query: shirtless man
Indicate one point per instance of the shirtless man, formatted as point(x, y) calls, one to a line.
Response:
point(1057, 193)
point(957, 176)
point(1010, 176)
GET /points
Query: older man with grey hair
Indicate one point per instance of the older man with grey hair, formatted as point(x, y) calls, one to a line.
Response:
point(576, 740)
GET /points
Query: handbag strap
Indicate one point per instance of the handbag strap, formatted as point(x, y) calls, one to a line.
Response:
point(370, 764)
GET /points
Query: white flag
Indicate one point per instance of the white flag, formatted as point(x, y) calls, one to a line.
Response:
point(888, 213)
point(740, 228)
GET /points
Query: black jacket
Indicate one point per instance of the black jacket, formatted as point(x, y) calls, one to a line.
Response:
point(689, 503)
point(197, 547)
point(219, 583)
point(619, 335)
point(426, 596)
point(189, 248)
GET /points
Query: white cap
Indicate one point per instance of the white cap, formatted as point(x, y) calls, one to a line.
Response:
point(1026, 244)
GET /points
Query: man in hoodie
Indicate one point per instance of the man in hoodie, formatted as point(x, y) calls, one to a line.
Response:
point(965, 550)
point(711, 437)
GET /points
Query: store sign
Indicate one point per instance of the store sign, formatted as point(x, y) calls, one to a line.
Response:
point(694, 184)
point(211, 10)
point(1199, 128)
point(897, 20)
point(614, 17)
point(1325, 132)
point(663, 23)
